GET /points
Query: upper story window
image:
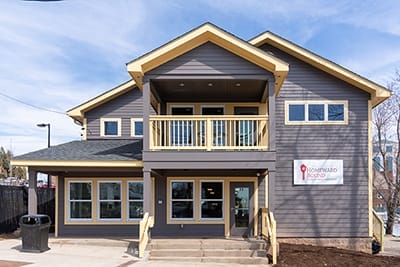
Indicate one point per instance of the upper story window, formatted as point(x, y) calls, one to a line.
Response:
point(137, 127)
point(110, 127)
point(316, 112)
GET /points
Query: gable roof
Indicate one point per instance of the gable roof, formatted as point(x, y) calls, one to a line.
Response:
point(207, 33)
point(378, 92)
point(77, 112)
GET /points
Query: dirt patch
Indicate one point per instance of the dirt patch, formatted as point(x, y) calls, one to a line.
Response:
point(9, 236)
point(13, 263)
point(304, 255)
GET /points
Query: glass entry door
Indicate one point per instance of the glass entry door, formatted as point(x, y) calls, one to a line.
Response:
point(241, 209)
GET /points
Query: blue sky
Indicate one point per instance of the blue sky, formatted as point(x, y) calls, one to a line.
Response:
point(57, 55)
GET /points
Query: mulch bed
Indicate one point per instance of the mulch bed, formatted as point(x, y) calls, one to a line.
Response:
point(304, 255)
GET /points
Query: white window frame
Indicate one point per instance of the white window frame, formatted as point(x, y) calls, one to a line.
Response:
point(133, 120)
point(222, 200)
point(99, 201)
point(128, 201)
point(84, 200)
point(103, 129)
point(171, 200)
point(326, 103)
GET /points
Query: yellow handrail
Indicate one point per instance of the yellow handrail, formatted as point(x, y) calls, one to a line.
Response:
point(145, 224)
point(268, 230)
point(378, 228)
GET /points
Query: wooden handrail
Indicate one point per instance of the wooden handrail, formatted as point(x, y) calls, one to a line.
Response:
point(378, 228)
point(145, 224)
point(268, 230)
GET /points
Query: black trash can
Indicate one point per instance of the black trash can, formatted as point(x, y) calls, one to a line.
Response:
point(35, 232)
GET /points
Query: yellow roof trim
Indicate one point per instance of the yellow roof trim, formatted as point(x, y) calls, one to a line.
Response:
point(378, 92)
point(78, 163)
point(77, 112)
point(207, 33)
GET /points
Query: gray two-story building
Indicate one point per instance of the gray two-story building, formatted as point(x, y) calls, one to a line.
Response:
point(210, 130)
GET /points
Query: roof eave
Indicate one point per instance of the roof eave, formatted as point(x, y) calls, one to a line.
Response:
point(378, 93)
point(193, 39)
point(77, 163)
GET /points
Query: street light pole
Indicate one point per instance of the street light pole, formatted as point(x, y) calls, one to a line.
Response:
point(48, 131)
point(42, 125)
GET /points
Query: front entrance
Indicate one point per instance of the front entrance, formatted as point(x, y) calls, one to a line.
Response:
point(241, 209)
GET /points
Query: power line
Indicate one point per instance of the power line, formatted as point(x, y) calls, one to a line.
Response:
point(30, 105)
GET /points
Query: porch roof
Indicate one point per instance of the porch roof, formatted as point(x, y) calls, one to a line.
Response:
point(87, 153)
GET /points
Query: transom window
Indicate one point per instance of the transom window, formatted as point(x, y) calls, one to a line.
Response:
point(80, 200)
point(182, 199)
point(110, 127)
point(316, 112)
point(109, 200)
point(135, 199)
point(137, 127)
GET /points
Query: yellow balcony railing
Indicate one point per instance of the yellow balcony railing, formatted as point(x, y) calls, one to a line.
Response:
point(227, 132)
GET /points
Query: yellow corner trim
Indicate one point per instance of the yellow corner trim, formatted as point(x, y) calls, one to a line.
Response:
point(78, 163)
point(378, 92)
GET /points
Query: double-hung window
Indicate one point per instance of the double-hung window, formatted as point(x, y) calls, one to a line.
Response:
point(80, 200)
point(316, 112)
point(109, 200)
point(135, 200)
point(110, 127)
point(182, 193)
point(137, 127)
point(212, 200)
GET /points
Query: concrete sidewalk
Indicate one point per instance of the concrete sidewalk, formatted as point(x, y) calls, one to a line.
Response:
point(391, 246)
point(97, 252)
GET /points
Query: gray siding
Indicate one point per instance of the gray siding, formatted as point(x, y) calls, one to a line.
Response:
point(208, 59)
point(104, 230)
point(321, 211)
point(125, 106)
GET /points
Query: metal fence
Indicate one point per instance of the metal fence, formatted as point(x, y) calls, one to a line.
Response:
point(14, 204)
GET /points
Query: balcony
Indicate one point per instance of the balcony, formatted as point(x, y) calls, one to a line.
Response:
point(208, 133)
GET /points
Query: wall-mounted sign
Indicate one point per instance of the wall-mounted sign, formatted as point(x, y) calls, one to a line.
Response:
point(308, 172)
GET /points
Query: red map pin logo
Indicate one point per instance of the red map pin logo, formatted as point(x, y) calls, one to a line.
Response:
point(303, 169)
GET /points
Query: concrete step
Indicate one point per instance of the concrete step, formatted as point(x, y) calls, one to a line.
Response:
point(237, 244)
point(207, 253)
point(234, 251)
point(231, 260)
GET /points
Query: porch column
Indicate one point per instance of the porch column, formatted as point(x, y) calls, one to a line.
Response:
point(147, 192)
point(146, 114)
point(271, 190)
point(32, 192)
point(271, 114)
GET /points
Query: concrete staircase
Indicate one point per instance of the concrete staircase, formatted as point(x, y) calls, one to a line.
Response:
point(234, 250)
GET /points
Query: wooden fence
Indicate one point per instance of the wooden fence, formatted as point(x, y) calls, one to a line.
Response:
point(14, 204)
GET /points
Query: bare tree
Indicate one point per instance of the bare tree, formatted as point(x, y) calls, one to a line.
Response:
point(6, 170)
point(386, 122)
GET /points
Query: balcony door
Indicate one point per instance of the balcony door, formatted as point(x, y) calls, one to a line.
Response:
point(218, 126)
point(181, 131)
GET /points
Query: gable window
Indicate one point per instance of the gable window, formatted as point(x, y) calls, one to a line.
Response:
point(80, 200)
point(109, 200)
point(315, 112)
point(110, 127)
point(137, 127)
point(182, 200)
point(212, 200)
point(135, 200)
